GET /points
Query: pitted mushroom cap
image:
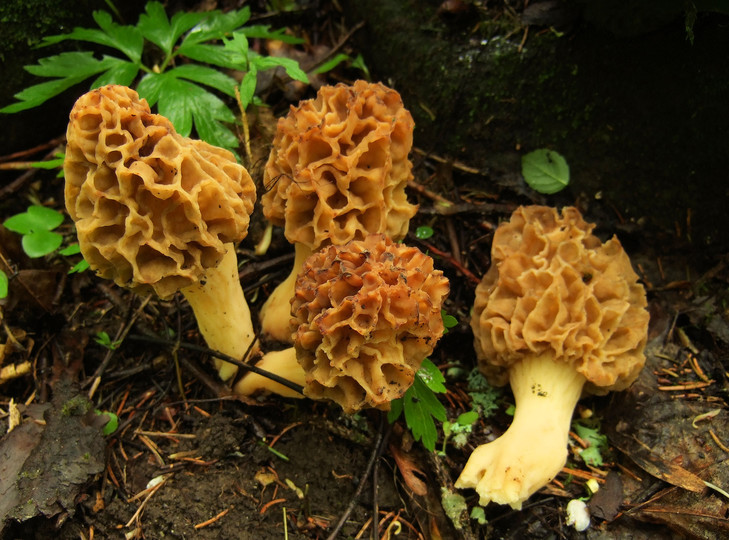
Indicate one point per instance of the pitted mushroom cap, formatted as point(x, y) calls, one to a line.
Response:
point(367, 314)
point(339, 166)
point(555, 287)
point(153, 209)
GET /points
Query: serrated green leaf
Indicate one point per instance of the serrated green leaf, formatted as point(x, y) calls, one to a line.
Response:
point(290, 65)
point(248, 87)
point(217, 25)
point(431, 376)
point(217, 55)
point(121, 72)
point(176, 103)
point(151, 86)
point(545, 171)
point(207, 76)
point(127, 39)
point(421, 406)
point(40, 243)
point(237, 46)
point(3, 285)
point(332, 63)
point(71, 67)
point(395, 411)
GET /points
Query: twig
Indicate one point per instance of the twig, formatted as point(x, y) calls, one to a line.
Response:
point(246, 127)
point(448, 257)
point(376, 453)
point(216, 354)
point(211, 520)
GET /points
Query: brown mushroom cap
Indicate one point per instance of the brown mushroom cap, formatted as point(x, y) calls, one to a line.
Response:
point(339, 167)
point(367, 314)
point(153, 209)
point(554, 287)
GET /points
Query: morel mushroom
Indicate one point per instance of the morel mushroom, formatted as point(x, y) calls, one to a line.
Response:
point(366, 314)
point(156, 211)
point(337, 172)
point(557, 313)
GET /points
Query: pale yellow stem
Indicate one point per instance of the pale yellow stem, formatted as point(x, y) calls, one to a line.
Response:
point(222, 312)
point(534, 448)
point(276, 311)
point(282, 363)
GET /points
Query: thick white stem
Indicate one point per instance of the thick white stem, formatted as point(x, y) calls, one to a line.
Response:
point(534, 448)
point(276, 311)
point(282, 363)
point(222, 312)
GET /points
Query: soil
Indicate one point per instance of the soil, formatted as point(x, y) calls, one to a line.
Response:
point(190, 461)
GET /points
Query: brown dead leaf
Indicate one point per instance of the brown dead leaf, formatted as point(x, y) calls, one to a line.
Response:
point(409, 471)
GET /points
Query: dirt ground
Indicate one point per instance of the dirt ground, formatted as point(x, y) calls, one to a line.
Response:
point(190, 461)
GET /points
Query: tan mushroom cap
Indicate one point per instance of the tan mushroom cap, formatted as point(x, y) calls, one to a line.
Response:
point(339, 167)
point(153, 209)
point(367, 314)
point(554, 287)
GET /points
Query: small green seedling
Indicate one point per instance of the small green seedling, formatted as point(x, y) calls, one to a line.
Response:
point(545, 171)
point(111, 425)
point(103, 339)
point(589, 431)
point(3, 285)
point(460, 429)
point(172, 62)
point(449, 321)
point(36, 225)
point(75, 249)
point(421, 406)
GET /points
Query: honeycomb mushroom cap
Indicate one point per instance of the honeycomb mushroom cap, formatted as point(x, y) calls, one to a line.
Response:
point(366, 314)
point(339, 166)
point(153, 209)
point(555, 287)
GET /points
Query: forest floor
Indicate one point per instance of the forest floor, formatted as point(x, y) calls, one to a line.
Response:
point(188, 460)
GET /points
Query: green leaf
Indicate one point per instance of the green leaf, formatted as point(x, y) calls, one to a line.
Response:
point(73, 249)
point(395, 410)
point(290, 65)
point(40, 243)
point(54, 163)
point(157, 28)
point(263, 31)
point(79, 267)
point(431, 376)
point(217, 25)
point(449, 321)
point(589, 431)
point(237, 46)
point(423, 232)
point(120, 72)
point(71, 67)
point(112, 424)
point(421, 406)
point(467, 418)
point(545, 171)
point(3, 285)
point(332, 63)
point(217, 55)
point(248, 87)
point(151, 86)
point(359, 63)
point(207, 76)
point(36, 218)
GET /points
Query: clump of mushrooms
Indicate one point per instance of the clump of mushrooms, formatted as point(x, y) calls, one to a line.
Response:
point(558, 313)
point(365, 316)
point(156, 211)
point(337, 172)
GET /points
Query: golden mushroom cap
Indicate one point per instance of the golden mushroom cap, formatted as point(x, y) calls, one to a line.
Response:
point(554, 287)
point(339, 166)
point(367, 314)
point(153, 209)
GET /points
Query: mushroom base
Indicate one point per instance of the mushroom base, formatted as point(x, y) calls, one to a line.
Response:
point(534, 448)
point(222, 312)
point(276, 311)
point(282, 363)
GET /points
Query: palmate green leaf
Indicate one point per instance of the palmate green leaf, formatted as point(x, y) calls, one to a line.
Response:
point(127, 39)
point(157, 28)
point(545, 171)
point(217, 25)
point(120, 72)
point(70, 67)
point(187, 104)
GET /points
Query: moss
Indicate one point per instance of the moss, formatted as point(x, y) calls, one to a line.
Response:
point(76, 406)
